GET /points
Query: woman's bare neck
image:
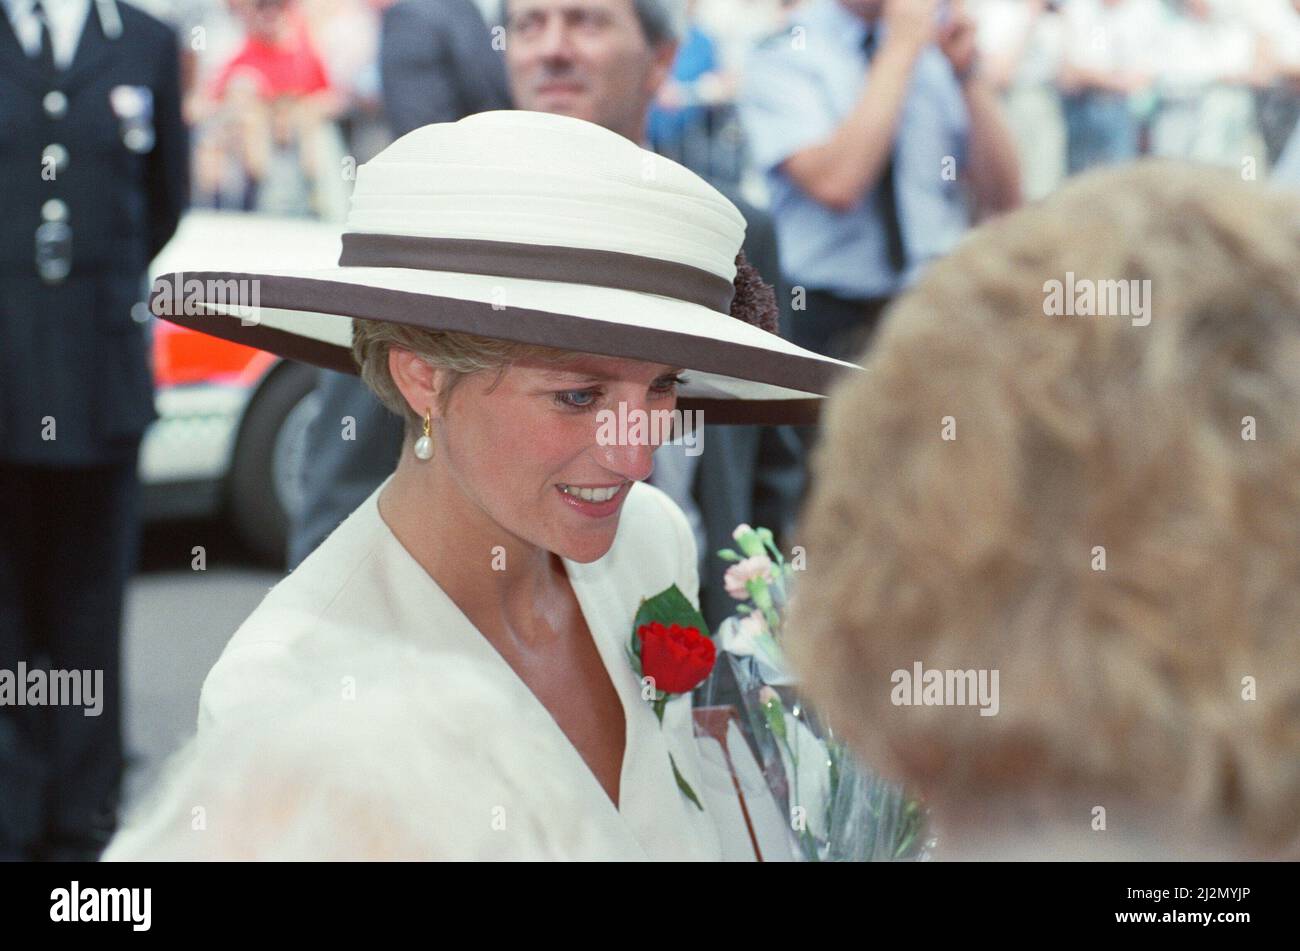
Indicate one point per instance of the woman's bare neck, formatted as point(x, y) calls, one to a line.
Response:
point(502, 583)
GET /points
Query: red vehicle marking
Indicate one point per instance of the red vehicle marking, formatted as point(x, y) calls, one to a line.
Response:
point(185, 356)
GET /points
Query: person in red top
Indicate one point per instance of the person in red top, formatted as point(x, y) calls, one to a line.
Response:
point(275, 98)
point(278, 54)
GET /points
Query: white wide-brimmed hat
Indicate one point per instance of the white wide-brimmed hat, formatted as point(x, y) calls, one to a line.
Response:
point(540, 229)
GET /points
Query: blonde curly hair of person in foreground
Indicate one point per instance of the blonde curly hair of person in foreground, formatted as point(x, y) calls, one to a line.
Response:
point(1104, 511)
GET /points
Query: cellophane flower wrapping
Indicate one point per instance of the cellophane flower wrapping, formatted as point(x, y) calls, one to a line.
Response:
point(839, 809)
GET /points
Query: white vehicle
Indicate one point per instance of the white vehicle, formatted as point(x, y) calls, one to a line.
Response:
point(229, 437)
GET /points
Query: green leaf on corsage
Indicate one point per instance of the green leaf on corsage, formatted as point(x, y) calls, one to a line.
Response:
point(683, 785)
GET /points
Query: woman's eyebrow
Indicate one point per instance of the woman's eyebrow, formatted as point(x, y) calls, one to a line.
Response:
point(588, 375)
point(584, 374)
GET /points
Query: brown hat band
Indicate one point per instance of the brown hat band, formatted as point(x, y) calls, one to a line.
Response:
point(540, 262)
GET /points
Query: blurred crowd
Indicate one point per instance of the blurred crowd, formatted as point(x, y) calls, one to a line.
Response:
point(1089, 82)
point(280, 92)
point(277, 93)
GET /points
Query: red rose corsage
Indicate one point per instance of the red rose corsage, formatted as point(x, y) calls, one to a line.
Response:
point(673, 653)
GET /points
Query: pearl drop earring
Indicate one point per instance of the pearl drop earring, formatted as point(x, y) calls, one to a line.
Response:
point(424, 445)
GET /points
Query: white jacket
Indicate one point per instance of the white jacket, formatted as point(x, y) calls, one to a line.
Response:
point(362, 584)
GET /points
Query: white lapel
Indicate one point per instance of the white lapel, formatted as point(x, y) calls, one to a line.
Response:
point(420, 612)
point(663, 820)
point(654, 819)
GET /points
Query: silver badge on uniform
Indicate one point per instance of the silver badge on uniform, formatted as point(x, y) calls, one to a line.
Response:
point(133, 106)
point(53, 251)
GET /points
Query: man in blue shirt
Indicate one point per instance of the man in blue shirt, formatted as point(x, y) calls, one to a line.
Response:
point(880, 142)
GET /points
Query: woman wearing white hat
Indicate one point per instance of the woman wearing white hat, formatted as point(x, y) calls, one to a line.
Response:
point(503, 280)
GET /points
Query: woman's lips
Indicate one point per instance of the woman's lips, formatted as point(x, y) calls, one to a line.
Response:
point(595, 509)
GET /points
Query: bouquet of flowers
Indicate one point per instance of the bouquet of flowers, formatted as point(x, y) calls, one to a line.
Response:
point(839, 810)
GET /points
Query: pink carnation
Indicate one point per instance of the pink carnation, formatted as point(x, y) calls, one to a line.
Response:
point(739, 574)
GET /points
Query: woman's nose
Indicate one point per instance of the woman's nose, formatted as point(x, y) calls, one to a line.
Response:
point(626, 439)
point(633, 461)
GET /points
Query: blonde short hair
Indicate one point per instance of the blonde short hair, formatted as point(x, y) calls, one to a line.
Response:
point(1114, 524)
point(460, 354)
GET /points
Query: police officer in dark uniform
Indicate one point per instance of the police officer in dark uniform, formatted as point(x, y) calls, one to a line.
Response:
point(93, 177)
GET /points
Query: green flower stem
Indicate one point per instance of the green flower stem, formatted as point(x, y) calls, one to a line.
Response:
point(683, 785)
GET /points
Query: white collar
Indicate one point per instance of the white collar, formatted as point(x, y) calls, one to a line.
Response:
point(53, 7)
point(653, 819)
point(375, 584)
